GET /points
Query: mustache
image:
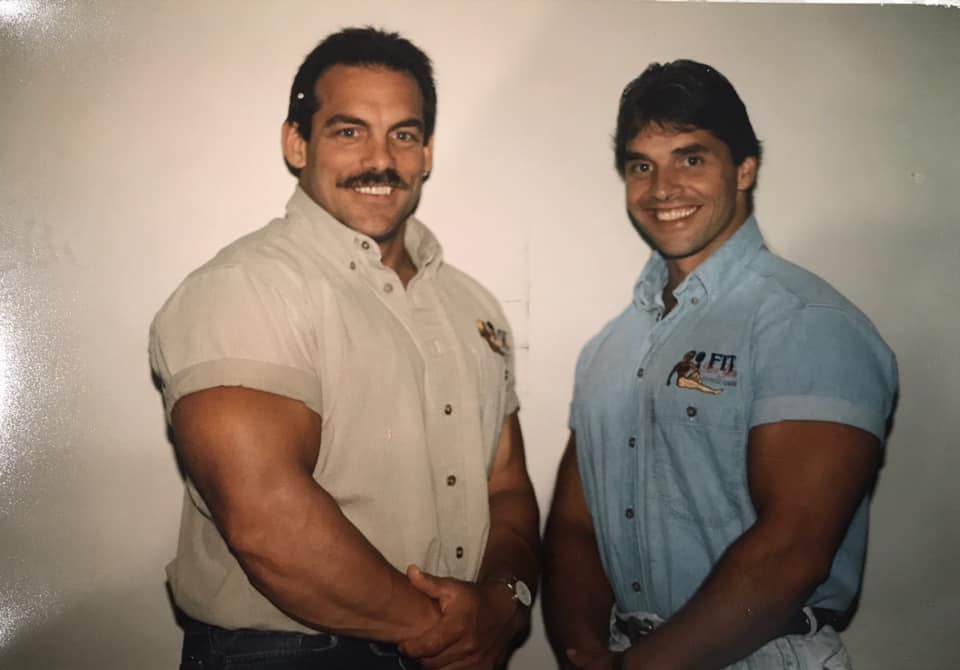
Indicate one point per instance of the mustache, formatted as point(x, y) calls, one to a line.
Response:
point(387, 177)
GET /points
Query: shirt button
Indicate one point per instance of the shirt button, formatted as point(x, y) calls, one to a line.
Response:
point(636, 587)
point(459, 552)
point(451, 480)
point(629, 513)
point(448, 409)
point(640, 372)
point(691, 412)
point(388, 288)
point(694, 300)
point(632, 442)
point(353, 266)
point(506, 375)
point(365, 244)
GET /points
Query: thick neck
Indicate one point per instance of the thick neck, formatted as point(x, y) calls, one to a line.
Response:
point(394, 254)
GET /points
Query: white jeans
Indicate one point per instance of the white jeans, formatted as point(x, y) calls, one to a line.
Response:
point(822, 650)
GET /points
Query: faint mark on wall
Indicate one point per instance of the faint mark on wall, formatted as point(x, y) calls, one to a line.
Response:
point(33, 245)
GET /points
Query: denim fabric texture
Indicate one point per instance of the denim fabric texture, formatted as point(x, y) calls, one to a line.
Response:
point(818, 650)
point(663, 406)
point(211, 648)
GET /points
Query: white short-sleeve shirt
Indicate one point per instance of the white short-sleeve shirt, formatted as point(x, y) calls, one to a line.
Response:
point(412, 383)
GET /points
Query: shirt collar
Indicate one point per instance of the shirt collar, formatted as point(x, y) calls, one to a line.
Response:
point(344, 244)
point(709, 276)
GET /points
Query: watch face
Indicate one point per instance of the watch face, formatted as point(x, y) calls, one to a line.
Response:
point(522, 593)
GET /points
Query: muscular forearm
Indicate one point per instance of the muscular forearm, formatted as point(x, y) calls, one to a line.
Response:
point(305, 556)
point(513, 543)
point(752, 592)
point(576, 594)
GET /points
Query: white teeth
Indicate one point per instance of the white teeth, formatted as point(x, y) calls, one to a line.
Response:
point(674, 214)
point(374, 190)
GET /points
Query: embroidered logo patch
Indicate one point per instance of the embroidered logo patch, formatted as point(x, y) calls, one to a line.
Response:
point(689, 375)
point(495, 337)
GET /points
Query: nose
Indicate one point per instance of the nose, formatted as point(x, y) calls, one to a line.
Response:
point(665, 184)
point(378, 155)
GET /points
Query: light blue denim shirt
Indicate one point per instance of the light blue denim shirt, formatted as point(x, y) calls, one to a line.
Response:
point(662, 408)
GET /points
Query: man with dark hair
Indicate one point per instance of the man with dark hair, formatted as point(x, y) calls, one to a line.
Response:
point(719, 520)
point(356, 491)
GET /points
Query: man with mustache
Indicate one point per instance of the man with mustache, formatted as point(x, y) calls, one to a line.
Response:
point(357, 495)
point(719, 520)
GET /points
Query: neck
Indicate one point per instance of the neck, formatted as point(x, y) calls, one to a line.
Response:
point(394, 254)
point(679, 268)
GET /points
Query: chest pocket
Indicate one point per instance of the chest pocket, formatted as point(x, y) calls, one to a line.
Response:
point(699, 452)
point(699, 402)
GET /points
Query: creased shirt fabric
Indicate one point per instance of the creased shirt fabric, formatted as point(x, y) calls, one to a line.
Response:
point(412, 396)
point(663, 406)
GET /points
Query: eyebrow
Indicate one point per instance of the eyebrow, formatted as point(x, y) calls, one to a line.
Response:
point(686, 150)
point(695, 148)
point(412, 122)
point(346, 119)
point(337, 119)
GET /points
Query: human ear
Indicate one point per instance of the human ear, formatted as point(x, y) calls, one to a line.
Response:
point(294, 146)
point(747, 173)
point(428, 157)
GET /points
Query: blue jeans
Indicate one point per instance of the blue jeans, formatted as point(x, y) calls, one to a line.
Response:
point(208, 647)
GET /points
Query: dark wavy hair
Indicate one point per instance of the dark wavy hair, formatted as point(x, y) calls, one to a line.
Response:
point(366, 46)
point(685, 95)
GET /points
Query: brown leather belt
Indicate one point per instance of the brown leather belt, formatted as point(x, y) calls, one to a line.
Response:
point(799, 624)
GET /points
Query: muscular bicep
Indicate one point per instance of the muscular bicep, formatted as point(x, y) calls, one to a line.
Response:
point(509, 463)
point(241, 446)
point(569, 505)
point(808, 477)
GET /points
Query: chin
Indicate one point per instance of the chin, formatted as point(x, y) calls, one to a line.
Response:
point(386, 235)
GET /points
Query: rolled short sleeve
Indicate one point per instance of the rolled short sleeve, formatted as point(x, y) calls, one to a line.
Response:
point(511, 401)
point(227, 326)
point(822, 363)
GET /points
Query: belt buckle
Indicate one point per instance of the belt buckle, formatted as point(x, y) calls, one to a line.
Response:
point(638, 627)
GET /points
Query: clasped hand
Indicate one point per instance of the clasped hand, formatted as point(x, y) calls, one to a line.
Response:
point(477, 623)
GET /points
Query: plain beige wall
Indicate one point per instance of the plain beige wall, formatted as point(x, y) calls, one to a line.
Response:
point(136, 139)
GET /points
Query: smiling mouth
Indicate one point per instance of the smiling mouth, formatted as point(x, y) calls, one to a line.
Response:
point(378, 190)
point(674, 214)
point(378, 184)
